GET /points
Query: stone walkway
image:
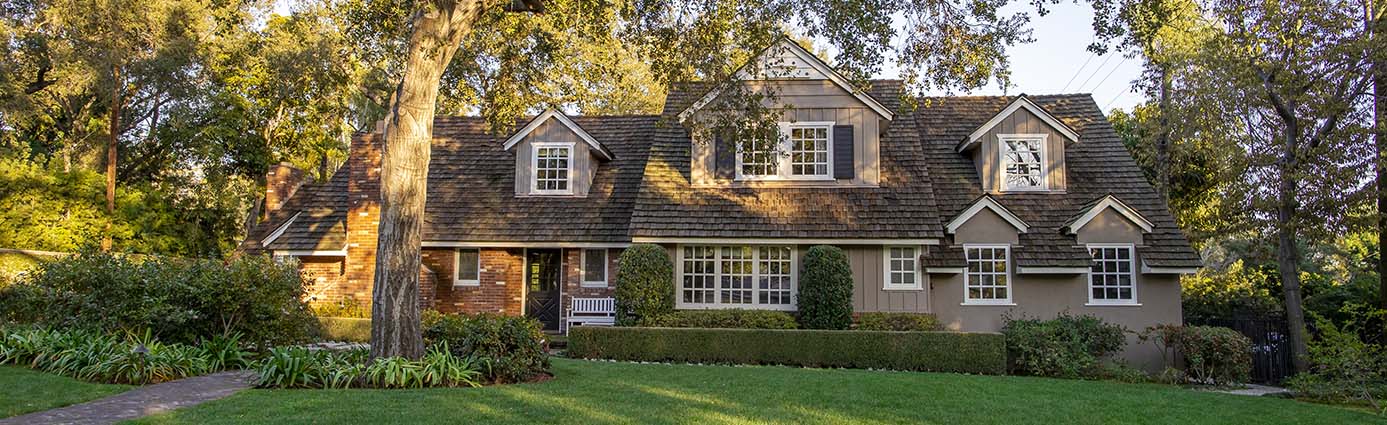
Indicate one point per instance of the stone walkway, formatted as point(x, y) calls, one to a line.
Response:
point(143, 401)
point(1256, 390)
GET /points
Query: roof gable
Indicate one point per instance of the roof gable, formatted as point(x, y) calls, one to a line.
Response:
point(986, 202)
point(562, 119)
point(1021, 101)
point(798, 63)
point(1091, 211)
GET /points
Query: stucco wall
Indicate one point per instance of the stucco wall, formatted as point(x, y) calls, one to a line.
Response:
point(986, 227)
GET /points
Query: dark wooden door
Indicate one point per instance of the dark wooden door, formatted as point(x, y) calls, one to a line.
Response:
point(542, 286)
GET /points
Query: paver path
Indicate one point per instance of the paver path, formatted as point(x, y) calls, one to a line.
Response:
point(143, 401)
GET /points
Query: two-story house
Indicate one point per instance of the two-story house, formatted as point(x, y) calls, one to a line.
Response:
point(968, 208)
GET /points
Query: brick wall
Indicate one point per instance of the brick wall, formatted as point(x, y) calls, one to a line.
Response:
point(502, 287)
point(363, 213)
point(281, 182)
point(327, 280)
point(573, 278)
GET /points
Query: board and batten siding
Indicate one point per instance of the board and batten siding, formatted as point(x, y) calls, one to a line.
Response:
point(987, 156)
point(584, 164)
point(811, 100)
point(868, 277)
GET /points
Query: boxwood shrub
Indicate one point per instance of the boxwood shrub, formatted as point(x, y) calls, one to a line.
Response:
point(881, 321)
point(825, 289)
point(731, 318)
point(922, 351)
point(645, 284)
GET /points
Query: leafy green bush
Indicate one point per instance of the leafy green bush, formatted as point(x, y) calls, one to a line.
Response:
point(1344, 368)
point(178, 300)
point(898, 322)
point(1067, 346)
point(344, 329)
point(135, 359)
point(924, 351)
point(825, 289)
point(302, 368)
point(732, 318)
point(347, 307)
point(645, 284)
point(507, 348)
point(1213, 355)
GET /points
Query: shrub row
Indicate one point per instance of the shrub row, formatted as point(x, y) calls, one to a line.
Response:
point(898, 322)
point(136, 359)
point(507, 348)
point(921, 351)
point(344, 329)
point(178, 300)
point(734, 319)
point(1067, 346)
point(302, 368)
point(1212, 355)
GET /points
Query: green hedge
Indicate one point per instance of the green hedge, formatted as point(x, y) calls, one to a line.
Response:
point(724, 318)
point(345, 329)
point(925, 351)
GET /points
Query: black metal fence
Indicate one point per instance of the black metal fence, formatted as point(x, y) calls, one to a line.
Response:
point(1271, 345)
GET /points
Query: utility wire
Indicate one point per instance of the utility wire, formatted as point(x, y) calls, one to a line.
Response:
point(1077, 71)
point(1114, 99)
point(1105, 77)
point(1095, 72)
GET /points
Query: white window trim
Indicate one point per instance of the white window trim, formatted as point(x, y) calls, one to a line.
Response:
point(886, 284)
point(756, 271)
point(583, 268)
point(1002, 161)
point(457, 263)
point(1131, 270)
point(782, 155)
point(534, 167)
point(1011, 293)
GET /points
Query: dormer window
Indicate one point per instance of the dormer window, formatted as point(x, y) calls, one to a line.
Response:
point(553, 168)
point(1022, 158)
point(803, 153)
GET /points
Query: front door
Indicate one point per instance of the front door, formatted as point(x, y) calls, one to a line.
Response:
point(542, 286)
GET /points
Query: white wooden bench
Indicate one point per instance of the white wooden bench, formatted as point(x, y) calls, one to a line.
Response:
point(591, 311)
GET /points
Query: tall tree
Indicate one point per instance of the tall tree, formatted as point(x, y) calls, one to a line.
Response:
point(1375, 24)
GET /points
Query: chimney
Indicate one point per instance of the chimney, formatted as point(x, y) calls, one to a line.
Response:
point(280, 184)
point(363, 214)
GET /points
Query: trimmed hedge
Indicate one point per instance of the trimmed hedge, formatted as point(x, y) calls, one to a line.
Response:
point(882, 321)
point(825, 289)
point(644, 284)
point(922, 351)
point(730, 318)
point(348, 329)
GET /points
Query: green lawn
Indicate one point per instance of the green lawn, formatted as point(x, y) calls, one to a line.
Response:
point(597, 392)
point(24, 391)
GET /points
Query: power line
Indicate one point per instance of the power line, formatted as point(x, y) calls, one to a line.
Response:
point(1077, 71)
point(1095, 72)
point(1105, 77)
point(1114, 99)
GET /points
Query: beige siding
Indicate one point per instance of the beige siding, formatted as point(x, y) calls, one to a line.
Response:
point(1110, 227)
point(986, 227)
point(987, 156)
point(868, 277)
point(584, 162)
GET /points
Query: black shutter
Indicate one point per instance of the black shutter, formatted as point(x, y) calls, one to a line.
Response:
point(842, 152)
point(725, 159)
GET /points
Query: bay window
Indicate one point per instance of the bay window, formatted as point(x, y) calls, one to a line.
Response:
point(736, 276)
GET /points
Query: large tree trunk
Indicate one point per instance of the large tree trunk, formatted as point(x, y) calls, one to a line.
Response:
point(1286, 253)
point(1163, 137)
point(438, 30)
point(117, 99)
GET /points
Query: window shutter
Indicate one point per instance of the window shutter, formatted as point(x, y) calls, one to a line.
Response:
point(725, 158)
point(842, 152)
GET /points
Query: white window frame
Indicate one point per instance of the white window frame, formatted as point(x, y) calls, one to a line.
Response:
point(583, 269)
point(1010, 274)
point(783, 154)
point(756, 273)
point(1131, 273)
point(1002, 140)
point(457, 268)
point(534, 167)
point(886, 284)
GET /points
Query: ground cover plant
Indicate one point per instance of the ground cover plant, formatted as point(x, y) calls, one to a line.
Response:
point(132, 359)
point(303, 368)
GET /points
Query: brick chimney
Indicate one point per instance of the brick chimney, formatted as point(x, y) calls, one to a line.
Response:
point(363, 214)
point(281, 182)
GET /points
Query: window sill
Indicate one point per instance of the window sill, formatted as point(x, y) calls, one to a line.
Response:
point(1112, 304)
point(466, 284)
point(593, 285)
point(978, 304)
point(903, 288)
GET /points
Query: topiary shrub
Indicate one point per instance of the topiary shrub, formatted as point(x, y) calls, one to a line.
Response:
point(898, 322)
point(1213, 355)
point(733, 318)
point(511, 348)
point(644, 284)
point(1064, 347)
point(825, 289)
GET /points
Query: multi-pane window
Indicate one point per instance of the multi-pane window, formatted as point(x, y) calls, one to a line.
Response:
point(468, 267)
point(809, 151)
point(1022, 160)
point(737, 276)
point(902, 268)
point(552, 167)
point(594, 267)
point(1110, 277)
point(759, 158)
point(987, 279)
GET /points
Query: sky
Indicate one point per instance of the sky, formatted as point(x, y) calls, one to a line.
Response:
point(1056, 62)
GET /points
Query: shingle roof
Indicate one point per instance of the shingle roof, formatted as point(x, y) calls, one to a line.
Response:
point(902, 207)
point(1098, 164)
point(321, 222)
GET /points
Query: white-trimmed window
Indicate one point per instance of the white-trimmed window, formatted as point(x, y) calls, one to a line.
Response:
point(1111, 279)
point(988, 278)
point(902, 268)
point(467, 271)
point(736, 276)
point(552, 164)
point(804, 152)
point(594, 268)
point(1023, 161)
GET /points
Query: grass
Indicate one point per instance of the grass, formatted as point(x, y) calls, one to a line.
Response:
point(26, 391)
point(600, 392)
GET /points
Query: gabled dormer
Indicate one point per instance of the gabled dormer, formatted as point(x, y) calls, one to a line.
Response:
point(1021, 149)
point(1108, 220)
point(830, 130)
point(555, 157)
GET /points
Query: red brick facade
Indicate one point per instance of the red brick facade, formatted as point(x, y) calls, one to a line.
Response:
point(363, 215)
point(281, 182)
point(573, 278)
point(502, 282)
